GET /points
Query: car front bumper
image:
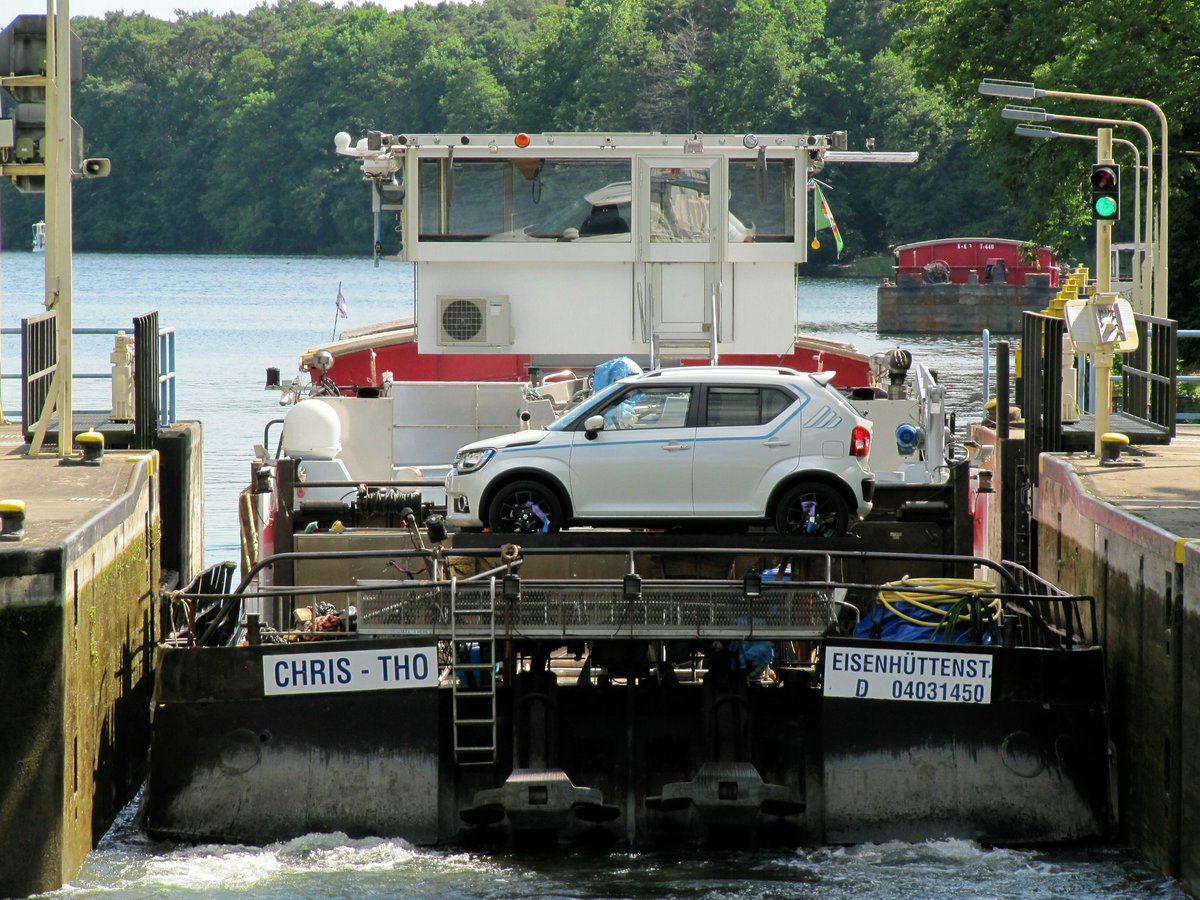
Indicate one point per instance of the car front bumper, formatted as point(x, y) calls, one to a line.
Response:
point(462, 504)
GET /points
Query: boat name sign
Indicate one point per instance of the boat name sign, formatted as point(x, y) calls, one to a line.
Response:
point(327, 672)
point(920, 675)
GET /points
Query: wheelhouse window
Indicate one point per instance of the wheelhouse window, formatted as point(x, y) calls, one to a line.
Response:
point(739, 407)
point(762, 198)
point(525, 200)
point(680, 206)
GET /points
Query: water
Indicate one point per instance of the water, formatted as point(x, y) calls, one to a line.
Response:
point(235, 316)
point(128, 864)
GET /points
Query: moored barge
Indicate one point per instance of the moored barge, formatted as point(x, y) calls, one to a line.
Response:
point(690, 680)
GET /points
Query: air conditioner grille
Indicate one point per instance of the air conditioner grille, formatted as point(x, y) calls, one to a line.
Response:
point(462, 320)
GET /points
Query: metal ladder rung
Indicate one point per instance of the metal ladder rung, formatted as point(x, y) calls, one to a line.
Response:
point(480, 631)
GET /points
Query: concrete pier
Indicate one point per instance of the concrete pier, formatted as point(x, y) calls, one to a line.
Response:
point(78, 610)
point(1129, 535)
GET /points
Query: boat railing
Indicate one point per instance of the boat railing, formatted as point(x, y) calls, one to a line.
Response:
point(780, 594)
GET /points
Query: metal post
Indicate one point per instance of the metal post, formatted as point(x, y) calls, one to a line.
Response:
point(58, 213)
point(1103, 358)
point(1003, 370)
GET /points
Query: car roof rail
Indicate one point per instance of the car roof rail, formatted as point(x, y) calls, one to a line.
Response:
point(733, 370)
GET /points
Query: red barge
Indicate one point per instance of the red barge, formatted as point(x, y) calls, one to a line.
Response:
point(964, 285)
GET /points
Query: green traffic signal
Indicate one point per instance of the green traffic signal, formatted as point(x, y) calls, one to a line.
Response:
point(1106, 192)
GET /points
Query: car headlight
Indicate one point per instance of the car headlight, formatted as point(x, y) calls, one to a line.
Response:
point(472, 460)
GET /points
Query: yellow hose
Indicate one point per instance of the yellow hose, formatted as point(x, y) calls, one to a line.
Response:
point(894, 592)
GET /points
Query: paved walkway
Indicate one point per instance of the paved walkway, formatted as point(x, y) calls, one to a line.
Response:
point(58, 497)
point(1160, 484)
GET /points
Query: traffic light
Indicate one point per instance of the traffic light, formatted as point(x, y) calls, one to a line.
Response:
point(1106, 192)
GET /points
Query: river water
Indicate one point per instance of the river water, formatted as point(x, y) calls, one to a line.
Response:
point(234, 316)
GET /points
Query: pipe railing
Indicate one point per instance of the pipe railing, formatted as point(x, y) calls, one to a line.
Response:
point(40, 363)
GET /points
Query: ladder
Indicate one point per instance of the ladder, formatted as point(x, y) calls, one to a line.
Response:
point(665, 345)
point(473, 676)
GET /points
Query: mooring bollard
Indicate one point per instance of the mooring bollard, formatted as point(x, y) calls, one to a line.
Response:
point(91, 442)
point(1111, 445)
point(12, 520)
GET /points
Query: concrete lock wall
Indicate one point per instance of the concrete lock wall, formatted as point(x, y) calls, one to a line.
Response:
point(1146, 582)
point(76, 635)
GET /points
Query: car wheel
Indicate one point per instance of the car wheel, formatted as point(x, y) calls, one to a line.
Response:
point(525, 507)
point(812, 508)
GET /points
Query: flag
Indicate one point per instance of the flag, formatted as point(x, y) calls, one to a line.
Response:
point(341, 301)
point(823, 217)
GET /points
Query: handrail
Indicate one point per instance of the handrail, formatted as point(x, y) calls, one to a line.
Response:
point(167, 376)
point(1007, 573)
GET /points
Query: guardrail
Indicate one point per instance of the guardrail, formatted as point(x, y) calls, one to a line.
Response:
point(154, 370)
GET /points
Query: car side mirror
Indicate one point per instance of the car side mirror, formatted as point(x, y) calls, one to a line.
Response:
point(592, 426)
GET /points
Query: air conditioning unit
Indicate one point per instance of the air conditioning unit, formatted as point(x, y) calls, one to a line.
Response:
point(475, 321)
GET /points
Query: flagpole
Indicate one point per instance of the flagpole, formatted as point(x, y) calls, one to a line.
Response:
point(337, 311)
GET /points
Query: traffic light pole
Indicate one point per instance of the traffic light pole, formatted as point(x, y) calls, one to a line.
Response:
point(1102, 357)
point(59, 232)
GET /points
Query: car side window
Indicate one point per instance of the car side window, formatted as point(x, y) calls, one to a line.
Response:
point(735, 406)
point(649, 407)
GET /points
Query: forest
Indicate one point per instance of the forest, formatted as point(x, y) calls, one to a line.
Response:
point(220, 128)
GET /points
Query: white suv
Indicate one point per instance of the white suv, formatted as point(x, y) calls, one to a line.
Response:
point(746, 444)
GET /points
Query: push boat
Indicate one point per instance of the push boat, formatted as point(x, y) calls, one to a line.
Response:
point(371, 672)
point(39, 237)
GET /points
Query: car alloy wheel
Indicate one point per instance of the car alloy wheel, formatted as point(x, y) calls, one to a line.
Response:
point(525, 507)
point(812, 508)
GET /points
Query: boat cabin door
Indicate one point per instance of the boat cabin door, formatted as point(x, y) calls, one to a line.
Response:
point(682, 208)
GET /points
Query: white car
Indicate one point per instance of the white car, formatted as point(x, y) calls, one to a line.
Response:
point(751, 445)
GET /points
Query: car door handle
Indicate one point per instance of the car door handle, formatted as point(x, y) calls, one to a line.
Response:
point(777, 442)
point(674, 446)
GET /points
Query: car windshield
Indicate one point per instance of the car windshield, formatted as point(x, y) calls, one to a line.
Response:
point(583, 409)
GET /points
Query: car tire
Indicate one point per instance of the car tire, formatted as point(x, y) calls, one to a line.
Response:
point(514, 509)
point(812, 508)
